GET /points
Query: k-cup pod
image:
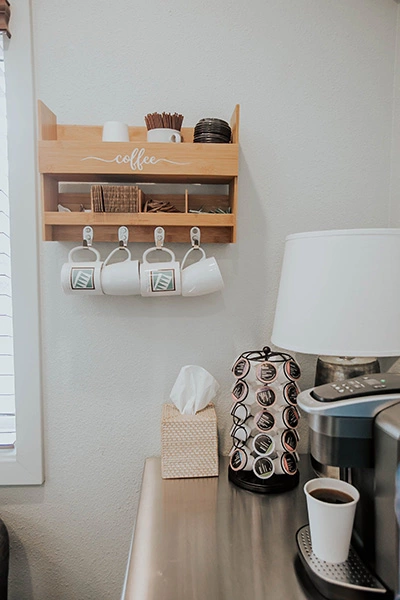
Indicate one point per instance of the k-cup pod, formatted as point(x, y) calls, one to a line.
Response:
point(265, 396)
point(78, 277)
point(263, 421)
point(286, 464)
point(115, 131)
point(288, 391)
point(240, 412)
point(331, 505)
point(241, 367)
point(286, 418)
point(263, 444)
point(240, 392)
point(263, 467)
point(289, 440)
point(278, 371)
point(241, 460)
point(277, 440)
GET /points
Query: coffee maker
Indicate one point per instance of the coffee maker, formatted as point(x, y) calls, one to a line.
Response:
point(355, 427)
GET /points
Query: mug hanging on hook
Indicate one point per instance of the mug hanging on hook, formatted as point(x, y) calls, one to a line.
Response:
point(121, 278)
point(160, 278)
point(202, 277)
point(83, 276)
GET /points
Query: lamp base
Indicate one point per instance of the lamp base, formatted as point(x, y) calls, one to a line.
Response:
point(337, 368)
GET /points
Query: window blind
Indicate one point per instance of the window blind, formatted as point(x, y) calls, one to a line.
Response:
point(7, 396)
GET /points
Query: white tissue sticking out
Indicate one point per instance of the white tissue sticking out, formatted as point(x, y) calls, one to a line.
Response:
point(193, 389)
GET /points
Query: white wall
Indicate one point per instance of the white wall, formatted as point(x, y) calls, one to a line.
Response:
point(314, 79)
point(395, 162)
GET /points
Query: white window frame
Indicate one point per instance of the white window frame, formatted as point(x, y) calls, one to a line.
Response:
point(24, 464)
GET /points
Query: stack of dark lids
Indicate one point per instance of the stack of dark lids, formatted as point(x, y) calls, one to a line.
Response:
point(212, 131)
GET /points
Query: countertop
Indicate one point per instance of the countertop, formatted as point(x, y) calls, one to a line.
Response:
point(205, 538)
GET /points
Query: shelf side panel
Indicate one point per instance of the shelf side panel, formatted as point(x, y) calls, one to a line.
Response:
point(234, 122)
point(47, 122)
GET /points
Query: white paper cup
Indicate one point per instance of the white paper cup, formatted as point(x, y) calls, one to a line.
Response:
point(331, 525)
point(163, 134)
point(202, 277)
point(121, 278)
point(115, 131)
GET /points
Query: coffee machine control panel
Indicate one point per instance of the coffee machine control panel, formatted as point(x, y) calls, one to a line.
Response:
point(366, 385)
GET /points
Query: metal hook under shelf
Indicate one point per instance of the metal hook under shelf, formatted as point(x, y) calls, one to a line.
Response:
point(87, 236)
point(123, 236)
point(195, 237)
point(159, 237)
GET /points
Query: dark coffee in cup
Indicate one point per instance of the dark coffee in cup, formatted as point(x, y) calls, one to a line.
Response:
point(331, 496)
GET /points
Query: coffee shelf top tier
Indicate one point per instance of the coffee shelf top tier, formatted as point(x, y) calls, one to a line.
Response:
point(79, 151)
point(77, 154)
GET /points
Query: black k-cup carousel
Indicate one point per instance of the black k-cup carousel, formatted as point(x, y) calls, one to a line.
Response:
point(263, 457)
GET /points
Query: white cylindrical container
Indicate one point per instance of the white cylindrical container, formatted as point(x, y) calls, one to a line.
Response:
point(331, 524)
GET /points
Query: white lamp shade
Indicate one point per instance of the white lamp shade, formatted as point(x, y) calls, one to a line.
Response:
point(339, 293)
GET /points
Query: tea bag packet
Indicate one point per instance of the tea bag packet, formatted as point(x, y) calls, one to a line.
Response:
point(193, 389)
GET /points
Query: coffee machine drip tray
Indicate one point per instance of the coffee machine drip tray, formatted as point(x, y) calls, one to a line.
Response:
point(351, 579)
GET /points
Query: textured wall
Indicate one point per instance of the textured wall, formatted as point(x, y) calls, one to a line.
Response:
point(315, 80)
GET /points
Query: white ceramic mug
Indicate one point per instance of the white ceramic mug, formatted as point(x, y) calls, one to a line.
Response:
point(82, 277)
point(121, 278)
point(115, 131)
point(331, 525)
point(202, 277)
point(163, 134)
point(160, 278)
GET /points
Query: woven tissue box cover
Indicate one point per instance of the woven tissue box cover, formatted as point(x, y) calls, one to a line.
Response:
point(189, 443)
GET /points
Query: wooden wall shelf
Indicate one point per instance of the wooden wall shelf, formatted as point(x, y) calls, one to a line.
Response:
point(76, 154)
